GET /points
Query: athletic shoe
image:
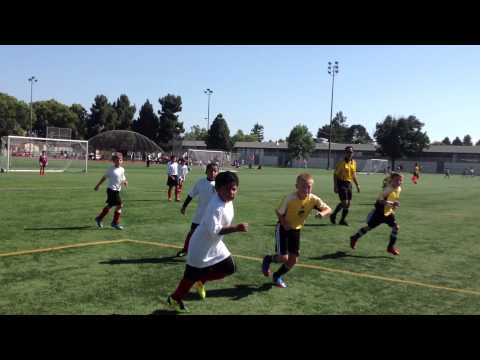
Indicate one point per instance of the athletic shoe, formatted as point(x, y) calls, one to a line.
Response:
point(99, 222)
point(181, 253)
point(201, 290)
point(178, 306)
point(266, 266)
point(343, 222)
point(393, 250)
point(117, 226)
point(279, 282)
point(353, 242)
point(332, 219)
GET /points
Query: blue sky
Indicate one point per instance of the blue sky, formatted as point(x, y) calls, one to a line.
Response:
point(276, 86)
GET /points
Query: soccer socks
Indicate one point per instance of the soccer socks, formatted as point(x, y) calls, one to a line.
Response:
point(283, 270)
point(393, 238)
point(344, 214)
point(183, 288)
point(116, 216)
point(104, 212)
point(187, 241)
point(337, 209)
point(361, 232)
point(169, 194)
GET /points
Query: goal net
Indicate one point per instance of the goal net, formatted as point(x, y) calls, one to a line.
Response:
point(20, 153)
point(375, 166)
point(204, 157)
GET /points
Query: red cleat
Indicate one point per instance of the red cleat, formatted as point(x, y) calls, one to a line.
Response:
point(353, 242)
point(393, 250)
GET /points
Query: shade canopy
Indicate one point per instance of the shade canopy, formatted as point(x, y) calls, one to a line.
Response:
point(123, 140)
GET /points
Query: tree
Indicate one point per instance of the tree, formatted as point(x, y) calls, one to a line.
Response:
point(53, 113)
point(257, 131)
point(467, 140)
point(399, 138)
point(240, 136)
point(477, 143)
point(457, 141)
point(219, 135)
point(357, 134)
point(103, 116)
point(80, 132)
point(196, 133)
point(147, 122)
point(339, 129)
point(169, 128)
point(300, 143)
point(446, 141)
point(125, 112)
point(14, 116)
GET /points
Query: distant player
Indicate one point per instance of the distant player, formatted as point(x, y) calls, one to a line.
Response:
point(345, 173)
point(43, 162)
point(205, 190)
point(384, 212)
point(208, 258)
point(116, 177)
point(447, 173)
point(182, 175)
point(291, 214)
point(172, 177)
point(416, 173)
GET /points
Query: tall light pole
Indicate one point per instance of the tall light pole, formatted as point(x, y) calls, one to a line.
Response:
point(332, 70)
point(31, 80)
point(208, 92)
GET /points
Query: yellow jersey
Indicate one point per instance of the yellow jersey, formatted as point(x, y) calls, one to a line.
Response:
point(296, 211)
point(390, 194)
point(345, 170)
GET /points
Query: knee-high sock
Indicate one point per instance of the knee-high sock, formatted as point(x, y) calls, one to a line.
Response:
point(187, 241)
point(393, 238)
point(104, 212)
point(116, 216)
point(182, 289)
point(169, 193)
point(344, 213)
point(361, 232)
point(337, 209)
point(283, 270)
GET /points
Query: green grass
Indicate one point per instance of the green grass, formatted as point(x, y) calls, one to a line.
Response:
point(437, 239)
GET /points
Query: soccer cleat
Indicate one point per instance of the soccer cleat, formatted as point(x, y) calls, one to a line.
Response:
point(178, 306)
point(353, 242)
point(201, 290)
point(266, 266)
point(181, 253)
point(343, 222)
point(393, 250)
point(117, 226)
point(99, 222)
point(279, 282)
point(332, 219)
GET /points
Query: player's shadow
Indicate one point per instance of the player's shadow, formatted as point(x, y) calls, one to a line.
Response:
point(273, 225)
point(342, 254)
point(87, 227)
point(365, 204)
point(163, 312)
point(236, 293)
point(141, 200)
point(163, 260)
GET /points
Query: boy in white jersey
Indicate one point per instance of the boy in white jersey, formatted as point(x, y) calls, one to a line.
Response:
point(116, 177)
point(205, 190)
point(292, 213)
point(208, 258)
point(384, 212)
point(172, 179)
point(182, 175)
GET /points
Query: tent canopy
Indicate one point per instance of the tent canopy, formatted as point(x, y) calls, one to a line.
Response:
point(123, 141)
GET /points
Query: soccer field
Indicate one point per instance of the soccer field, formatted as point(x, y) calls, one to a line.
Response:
point(54, 260)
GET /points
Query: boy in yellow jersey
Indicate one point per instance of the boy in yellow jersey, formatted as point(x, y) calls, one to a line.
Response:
point(345, 173)
point(384, 212)
point(291, 214)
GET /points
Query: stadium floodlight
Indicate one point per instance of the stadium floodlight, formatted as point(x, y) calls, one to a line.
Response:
point(209, 93)
point(332, 70)
point(31, 80)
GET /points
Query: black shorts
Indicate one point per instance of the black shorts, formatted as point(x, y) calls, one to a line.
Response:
point(344, 190)
point(113, 198)
point(287, 241)
point(376, 218)
point(226, 267)
point(172, 180)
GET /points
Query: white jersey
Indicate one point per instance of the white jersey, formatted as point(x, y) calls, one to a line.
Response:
point(183, 171)
point(115, 177)
point(172, 168)
point(206, 247)
point(205, 190)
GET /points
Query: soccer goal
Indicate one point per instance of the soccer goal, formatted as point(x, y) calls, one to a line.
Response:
point(21, 153)
point(375, 166)
point(204, 157)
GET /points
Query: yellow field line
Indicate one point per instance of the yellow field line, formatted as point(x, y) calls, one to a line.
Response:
point(316, 267)
point(62, 247)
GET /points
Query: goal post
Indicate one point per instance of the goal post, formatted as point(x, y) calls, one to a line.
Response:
point(204, 157)
point(21, 153)
point(375, 166)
